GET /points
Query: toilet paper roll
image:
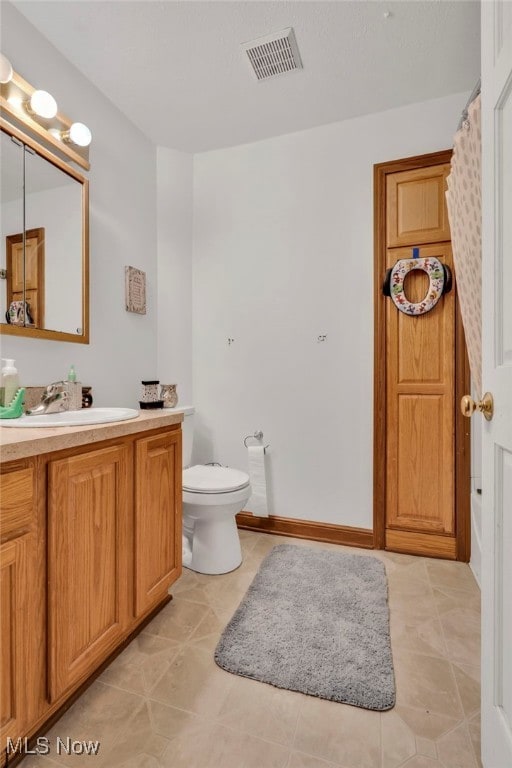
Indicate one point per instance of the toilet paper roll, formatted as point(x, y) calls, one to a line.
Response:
point(257, 503)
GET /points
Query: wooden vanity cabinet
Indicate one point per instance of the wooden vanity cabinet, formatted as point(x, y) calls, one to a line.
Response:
point(21, 600)
point(90, 544)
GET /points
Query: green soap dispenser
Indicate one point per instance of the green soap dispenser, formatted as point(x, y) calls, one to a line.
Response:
point(10, 382)
point(74, 390)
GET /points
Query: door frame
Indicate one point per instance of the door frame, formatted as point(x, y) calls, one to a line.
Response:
point(462, 376)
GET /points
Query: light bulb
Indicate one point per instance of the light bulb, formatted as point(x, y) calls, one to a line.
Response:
point(80, 135)
point(43, 104)
point(5, 69)
point(15, 101)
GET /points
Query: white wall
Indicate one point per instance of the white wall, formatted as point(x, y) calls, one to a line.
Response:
point(283, 252)
point(123, 347)
point(174, 224)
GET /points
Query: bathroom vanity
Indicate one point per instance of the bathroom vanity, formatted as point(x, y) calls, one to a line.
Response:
point(90, 542)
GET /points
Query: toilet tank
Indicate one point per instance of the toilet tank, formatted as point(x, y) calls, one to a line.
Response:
point(187, 428)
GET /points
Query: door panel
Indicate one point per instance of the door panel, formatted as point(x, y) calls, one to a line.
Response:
point(32, 276)
point(89, 508)
point(416, 210)
point(504, 244)
point(14, 610)
point(424, 488)
point(419, 360)
point(504, 574)
point(157, 517)
point(18, 276)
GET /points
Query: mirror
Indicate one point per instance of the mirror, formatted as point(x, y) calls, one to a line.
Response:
point(43, 242)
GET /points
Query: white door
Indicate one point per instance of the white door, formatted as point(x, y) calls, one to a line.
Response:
point(497, 379)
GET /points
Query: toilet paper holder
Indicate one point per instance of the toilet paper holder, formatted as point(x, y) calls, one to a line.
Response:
point(258, 435)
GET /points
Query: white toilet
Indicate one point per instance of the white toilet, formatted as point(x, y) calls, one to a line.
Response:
point(212, 496)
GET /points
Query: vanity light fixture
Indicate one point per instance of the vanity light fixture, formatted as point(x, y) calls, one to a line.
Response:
point(37, 111)
point(42, 104)
point(78, 134)
point(5, 69)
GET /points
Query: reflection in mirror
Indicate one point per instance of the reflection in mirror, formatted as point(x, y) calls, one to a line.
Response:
point(43, 243)
point(53, 245)
point(11, 221)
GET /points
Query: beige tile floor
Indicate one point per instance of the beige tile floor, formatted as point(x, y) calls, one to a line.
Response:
point(164, 703)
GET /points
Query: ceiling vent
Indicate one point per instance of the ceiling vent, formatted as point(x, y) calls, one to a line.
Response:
point(273, 54)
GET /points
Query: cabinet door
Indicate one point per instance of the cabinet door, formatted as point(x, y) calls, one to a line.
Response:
point(416, 210)
point(14, 591)
point(22, 600)
point(88, 516)
point(157, 517)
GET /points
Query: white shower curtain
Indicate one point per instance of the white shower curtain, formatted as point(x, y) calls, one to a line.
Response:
point(465, 213)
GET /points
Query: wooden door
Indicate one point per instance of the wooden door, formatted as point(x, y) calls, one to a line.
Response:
point(497, 379)
point(25, 272)
point(158, 495)
point(89, 510)
point(416, 502)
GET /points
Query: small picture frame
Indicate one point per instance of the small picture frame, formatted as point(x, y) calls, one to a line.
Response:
point(135, 290)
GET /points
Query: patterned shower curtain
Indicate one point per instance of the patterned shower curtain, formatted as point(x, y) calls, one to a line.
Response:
point(465, 213)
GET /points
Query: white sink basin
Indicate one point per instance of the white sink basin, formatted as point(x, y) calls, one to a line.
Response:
point(84, 417)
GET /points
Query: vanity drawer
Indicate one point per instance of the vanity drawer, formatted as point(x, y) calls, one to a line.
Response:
point(16, 502)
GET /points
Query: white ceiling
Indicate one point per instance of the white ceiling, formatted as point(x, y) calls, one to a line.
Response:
point(177, 71)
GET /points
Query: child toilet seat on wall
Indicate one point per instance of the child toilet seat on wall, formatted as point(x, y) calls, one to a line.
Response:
point(440, 281)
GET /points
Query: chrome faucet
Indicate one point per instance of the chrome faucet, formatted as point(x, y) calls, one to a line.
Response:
point(54, 400)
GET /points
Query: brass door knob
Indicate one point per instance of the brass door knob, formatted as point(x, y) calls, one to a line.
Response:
point(486, 406)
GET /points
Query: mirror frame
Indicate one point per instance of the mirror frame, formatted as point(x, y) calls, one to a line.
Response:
point(43, 333)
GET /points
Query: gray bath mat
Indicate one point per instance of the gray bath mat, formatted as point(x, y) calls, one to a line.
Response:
point(316, 622)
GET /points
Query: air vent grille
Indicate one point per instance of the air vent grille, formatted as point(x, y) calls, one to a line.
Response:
point(273, 54)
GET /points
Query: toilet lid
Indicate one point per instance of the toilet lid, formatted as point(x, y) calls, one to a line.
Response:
point(209, 479)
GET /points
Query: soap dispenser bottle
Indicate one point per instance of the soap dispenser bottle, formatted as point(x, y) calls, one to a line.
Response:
point(74, 390)
point(10, 382)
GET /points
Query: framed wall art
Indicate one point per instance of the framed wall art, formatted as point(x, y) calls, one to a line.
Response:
point(135, 290)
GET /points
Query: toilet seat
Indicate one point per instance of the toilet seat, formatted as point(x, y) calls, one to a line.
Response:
point(208, 479)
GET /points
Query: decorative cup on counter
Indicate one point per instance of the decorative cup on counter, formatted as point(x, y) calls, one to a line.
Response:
point(150, 398)
point(150, 391)
point(169, 395)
